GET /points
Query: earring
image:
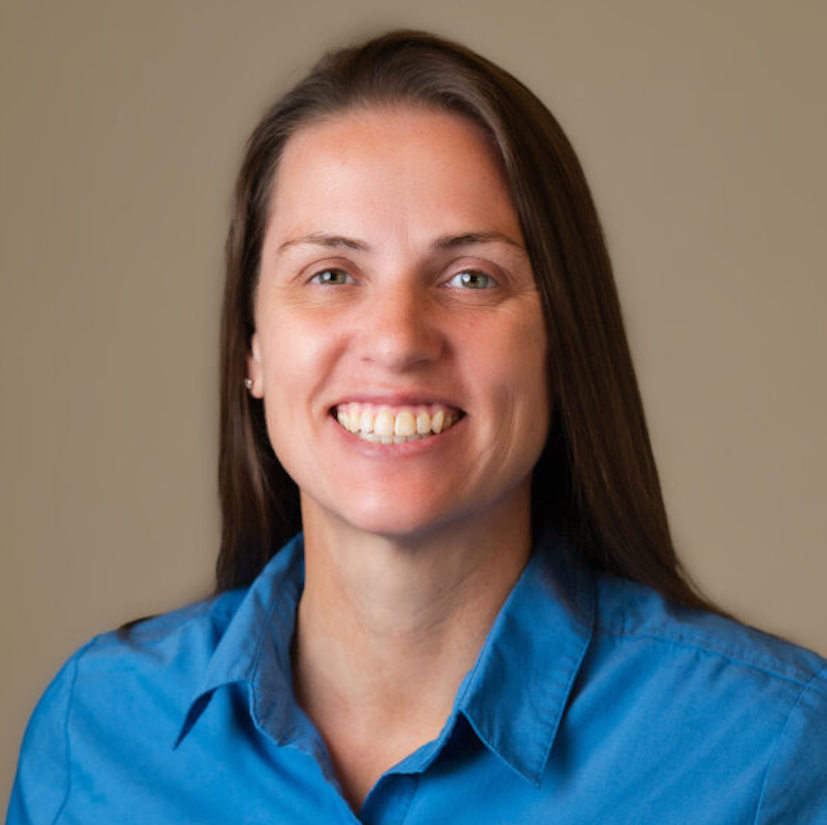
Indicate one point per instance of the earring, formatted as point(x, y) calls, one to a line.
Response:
point(248, 382)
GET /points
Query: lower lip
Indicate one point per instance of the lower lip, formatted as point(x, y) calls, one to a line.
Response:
point(416, 447)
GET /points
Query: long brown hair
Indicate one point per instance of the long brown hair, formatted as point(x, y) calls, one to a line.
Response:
point(597, 477)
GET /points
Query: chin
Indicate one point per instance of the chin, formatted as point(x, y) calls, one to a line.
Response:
point(392, 518)
point(396, 525)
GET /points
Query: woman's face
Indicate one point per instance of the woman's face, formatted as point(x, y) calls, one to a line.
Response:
point(400, 344)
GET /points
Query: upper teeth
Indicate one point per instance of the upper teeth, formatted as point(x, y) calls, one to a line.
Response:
point(395, 424)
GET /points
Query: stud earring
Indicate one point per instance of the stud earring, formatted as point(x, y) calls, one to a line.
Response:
point(248, 382)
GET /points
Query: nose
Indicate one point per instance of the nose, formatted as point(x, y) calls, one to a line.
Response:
point(401, 328)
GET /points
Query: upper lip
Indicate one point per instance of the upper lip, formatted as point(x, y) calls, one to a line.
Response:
point(397, 399)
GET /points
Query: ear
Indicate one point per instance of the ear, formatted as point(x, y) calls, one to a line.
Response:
point(254, 370)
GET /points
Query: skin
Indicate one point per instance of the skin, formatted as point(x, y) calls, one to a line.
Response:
point(410, 549)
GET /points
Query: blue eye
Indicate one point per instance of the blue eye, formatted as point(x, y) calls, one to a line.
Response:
point(330, 277)
point(472, 279)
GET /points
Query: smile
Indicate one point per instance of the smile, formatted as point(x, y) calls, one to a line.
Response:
point(396, 425)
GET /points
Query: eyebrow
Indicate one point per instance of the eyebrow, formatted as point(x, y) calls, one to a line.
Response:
point(474, 238)
point(325, 240)
point(444, 242)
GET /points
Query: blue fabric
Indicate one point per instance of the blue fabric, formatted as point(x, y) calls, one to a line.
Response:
point(592, 701)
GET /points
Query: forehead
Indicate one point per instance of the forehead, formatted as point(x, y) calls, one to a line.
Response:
point(419, 165)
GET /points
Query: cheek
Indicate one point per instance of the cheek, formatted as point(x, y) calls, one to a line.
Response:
point(520, 355)
point(290, 361)
point(509, 369)
point(291, 347)
point(528, 383)
point(298, 356)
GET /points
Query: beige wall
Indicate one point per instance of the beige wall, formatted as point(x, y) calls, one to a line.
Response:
point(702, 126)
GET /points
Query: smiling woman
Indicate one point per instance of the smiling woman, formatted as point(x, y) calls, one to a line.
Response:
point(482, 618)
point(394, 286)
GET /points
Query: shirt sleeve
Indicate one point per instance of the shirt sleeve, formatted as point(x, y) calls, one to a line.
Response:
point(41, 785)
point(795, 788)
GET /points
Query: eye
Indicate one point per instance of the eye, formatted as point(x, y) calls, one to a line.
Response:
point(331, 277)
point(472, 279)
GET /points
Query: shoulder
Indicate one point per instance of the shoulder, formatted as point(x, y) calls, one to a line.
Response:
point(632, 613)
point(194, 630)
point(120, 687)
point(177, 644)
point(713, 687)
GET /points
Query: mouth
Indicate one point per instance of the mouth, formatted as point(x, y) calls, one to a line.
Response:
point(385, 424)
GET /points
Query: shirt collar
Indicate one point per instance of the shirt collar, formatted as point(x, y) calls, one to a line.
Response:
point(516, 694)
point(255, 648)
point(514, 697)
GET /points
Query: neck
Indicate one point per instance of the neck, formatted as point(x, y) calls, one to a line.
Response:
point(386, 624)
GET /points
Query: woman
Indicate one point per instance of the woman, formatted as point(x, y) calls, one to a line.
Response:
point(483, 620)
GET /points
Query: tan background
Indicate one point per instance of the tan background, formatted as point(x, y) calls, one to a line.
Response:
point(702, 127)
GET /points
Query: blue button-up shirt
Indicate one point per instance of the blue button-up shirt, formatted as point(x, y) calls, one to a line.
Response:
point(592, 701)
